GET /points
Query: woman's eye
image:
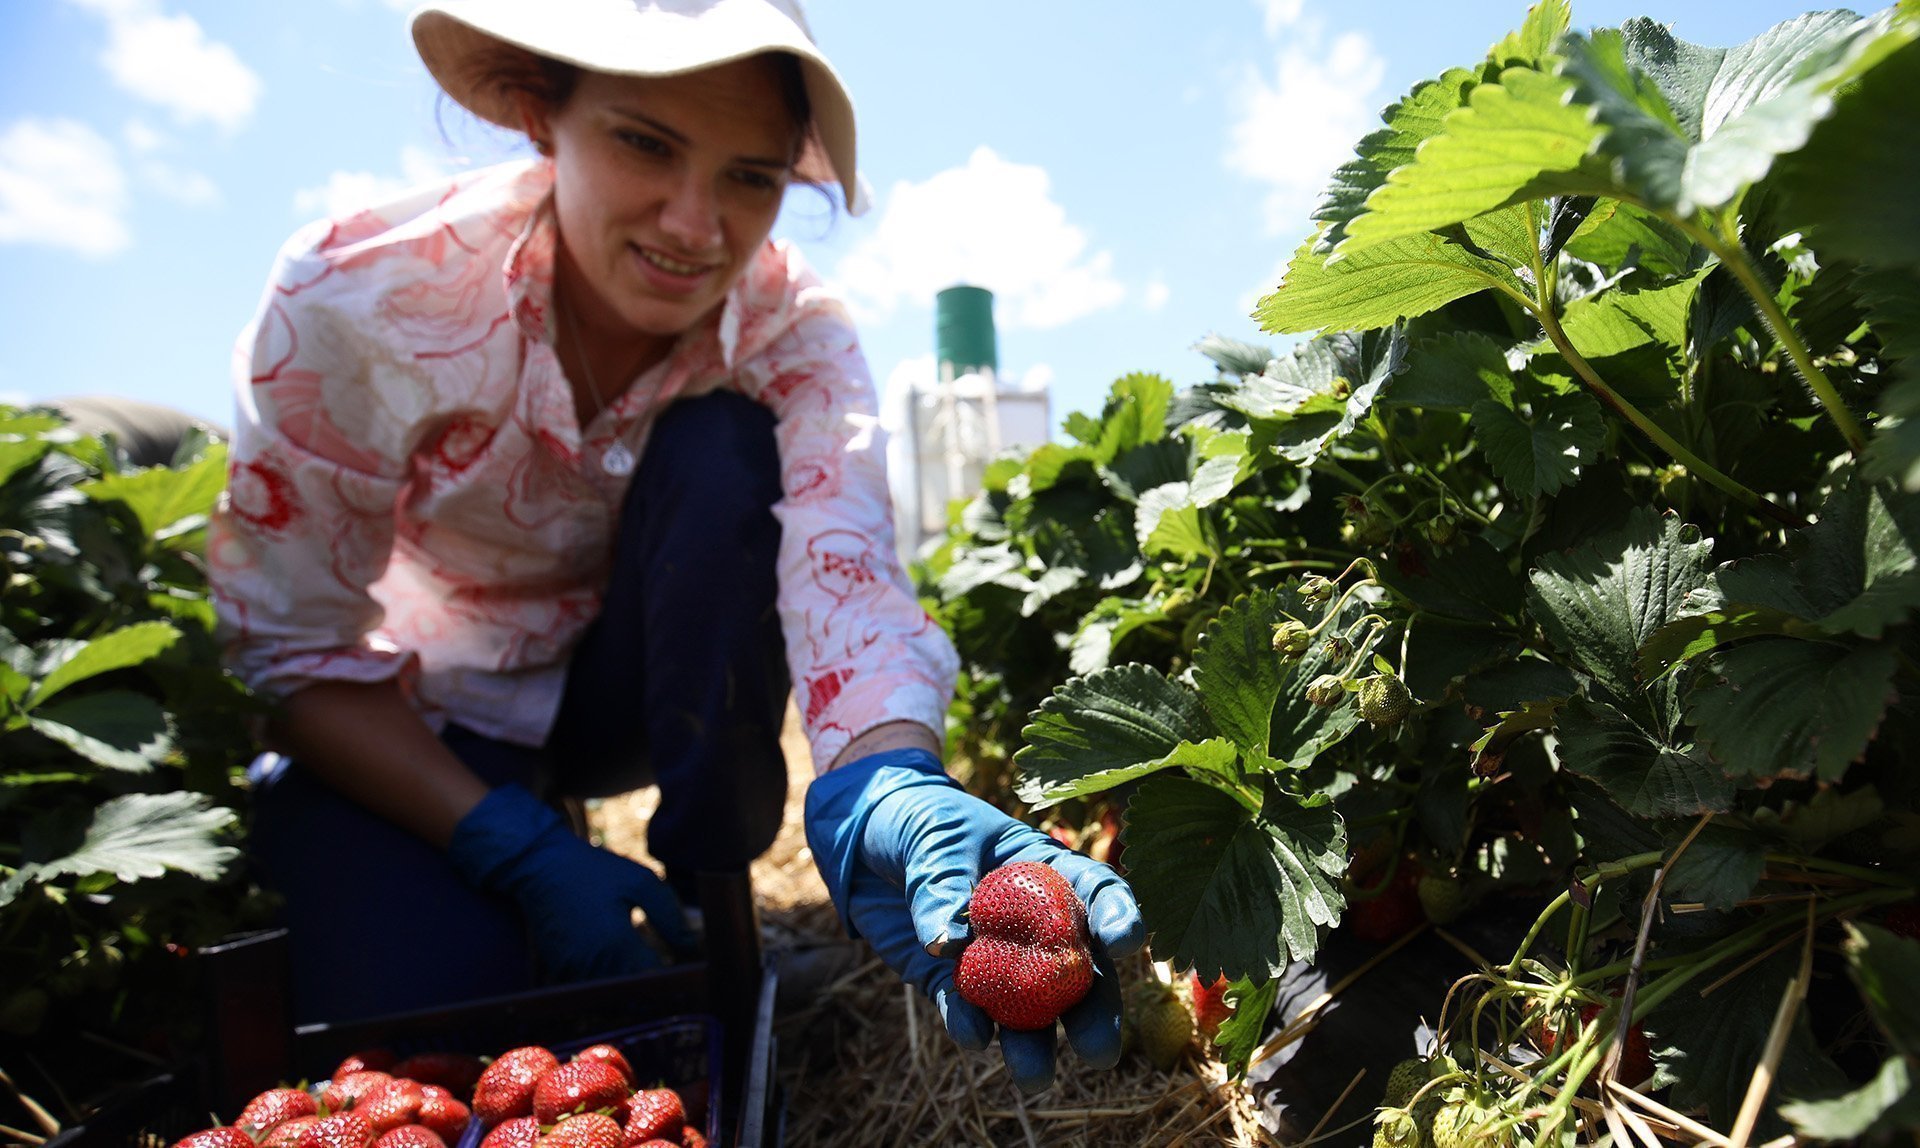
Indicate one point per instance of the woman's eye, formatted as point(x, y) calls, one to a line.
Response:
point(641, 142)
point(757, 180)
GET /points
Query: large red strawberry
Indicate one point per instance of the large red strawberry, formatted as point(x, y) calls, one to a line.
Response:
point(505, 1089)
point(454, 1071)
point(443, 1112)
point(1029, 960)
point(587, 1130)
point(287, 1133)
point(374, 1059)
point(655, 1113)
point(691, 1137)
point(215, 1138)
point(274, 1107)
point(1636, 1058)
point(391, 1103)
point(1210, 1007)
point(609, 1054)
point(345, 1091)
point(410, 1136)
point(341, 1130)
point(519, 1132)
point(581, 1086)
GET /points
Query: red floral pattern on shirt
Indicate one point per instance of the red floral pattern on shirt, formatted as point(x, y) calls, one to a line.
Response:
point(411, 493)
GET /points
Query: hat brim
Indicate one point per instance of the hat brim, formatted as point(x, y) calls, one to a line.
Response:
point(460, 40)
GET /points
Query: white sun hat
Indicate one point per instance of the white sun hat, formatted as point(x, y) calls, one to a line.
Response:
point(459, 39)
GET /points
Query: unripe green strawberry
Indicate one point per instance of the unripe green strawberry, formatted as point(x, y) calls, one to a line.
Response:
point(1335, 648)
point(1316, 588)
point(1467, 1117)
point(1363, 526)
point(1161, 1024)
point(1406, 1079)
point(1440, 529)
point(1291, 638)
point(1384, 699)
point(1442, 898)
point(1326, 690)
point(1396, 1128)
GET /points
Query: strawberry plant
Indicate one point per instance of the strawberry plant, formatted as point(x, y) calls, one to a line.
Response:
point(1571, 557)
point(120, 737)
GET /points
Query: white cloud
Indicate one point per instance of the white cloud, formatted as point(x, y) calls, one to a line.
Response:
point(1156, 294)
point(141, 136)
point(1295, 125)
point(192, 188)
point(61, 185)
point(168, 60)
point(348, 191)
point(1280, 14)
point(991, 223)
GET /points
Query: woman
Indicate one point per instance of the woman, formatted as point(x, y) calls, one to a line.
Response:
point(543, 479)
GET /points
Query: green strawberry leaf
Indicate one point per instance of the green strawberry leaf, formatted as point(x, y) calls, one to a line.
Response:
point(1720, 868)
point(1257, 697)
point(1826, 817)
point(114, 650)
point(1318, 393)
point(1413, 119)
point(162, 496)
point(1105, 627)
point(1542, 450)
point(1222, 887)
point(1620, 322)
point(1642, 772)
point(1885, 967)
point(1888, 1103)
point(1095, 732)
point(1452, 371)
point(17, 454)
point(1779, 707)
point(1617, 234)
point(1169, 521)
point(1601, 603)
point(1546, 22)
point(1684, 639)
point(140, 836)
point(1379, 286)
point(118, 729)
point(1862, 559)
point(1709, 1045)
point(1486, 155)
point(1870, 215)
point(1470, 581)
point(1243, 1031)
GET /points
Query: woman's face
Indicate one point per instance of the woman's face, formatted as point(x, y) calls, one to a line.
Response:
point(664, 188)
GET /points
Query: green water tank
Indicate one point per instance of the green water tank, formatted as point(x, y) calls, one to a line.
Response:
point(963, 330)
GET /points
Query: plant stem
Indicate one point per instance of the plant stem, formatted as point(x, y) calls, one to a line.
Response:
point(1734, 256)
point(1821, 865)
point(1739, 492)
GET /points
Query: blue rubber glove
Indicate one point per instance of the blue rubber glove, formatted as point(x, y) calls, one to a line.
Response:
point(900, 845)
point(578, 900)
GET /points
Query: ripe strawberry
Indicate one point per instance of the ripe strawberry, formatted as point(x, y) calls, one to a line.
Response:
point(1442, 897)
point(1387, 915)
point(655, 1114)
point(224, 1137)
point(341, 1130)
point(1210, 1007)
point(345, 1091)
point(1406, 1079)
point(690, 1137)
point(582, 1086)
point(609, 1054)
point(391, 1103)
point(454, 1071)
point(517, 1132)
point(1161, 1024)
point(410, 1136)
point(505, 1089)
point(1904, 920)
point(366, 1060)
point(274, 1107)
point(1029, 961)
point(587, 1130)
point(1636, 1058)
point(656, 1142)
point(287, 1133)
point(1384, 699)
point(444, 1112)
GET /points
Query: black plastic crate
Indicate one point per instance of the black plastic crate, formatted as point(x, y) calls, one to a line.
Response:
point(255, 1046)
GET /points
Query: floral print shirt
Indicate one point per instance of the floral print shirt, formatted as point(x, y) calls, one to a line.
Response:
point(410, 494)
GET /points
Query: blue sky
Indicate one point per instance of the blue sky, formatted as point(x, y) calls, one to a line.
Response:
point(1127, 176)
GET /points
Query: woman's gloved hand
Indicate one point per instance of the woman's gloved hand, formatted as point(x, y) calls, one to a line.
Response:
point(578, 900)
point(901, 845)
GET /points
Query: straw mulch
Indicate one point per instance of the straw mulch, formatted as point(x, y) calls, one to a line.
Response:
point(866, 1064)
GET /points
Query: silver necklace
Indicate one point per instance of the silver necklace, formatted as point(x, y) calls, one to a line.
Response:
point(617, 459)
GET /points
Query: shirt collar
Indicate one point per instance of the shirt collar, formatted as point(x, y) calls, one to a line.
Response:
point(529, 280)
